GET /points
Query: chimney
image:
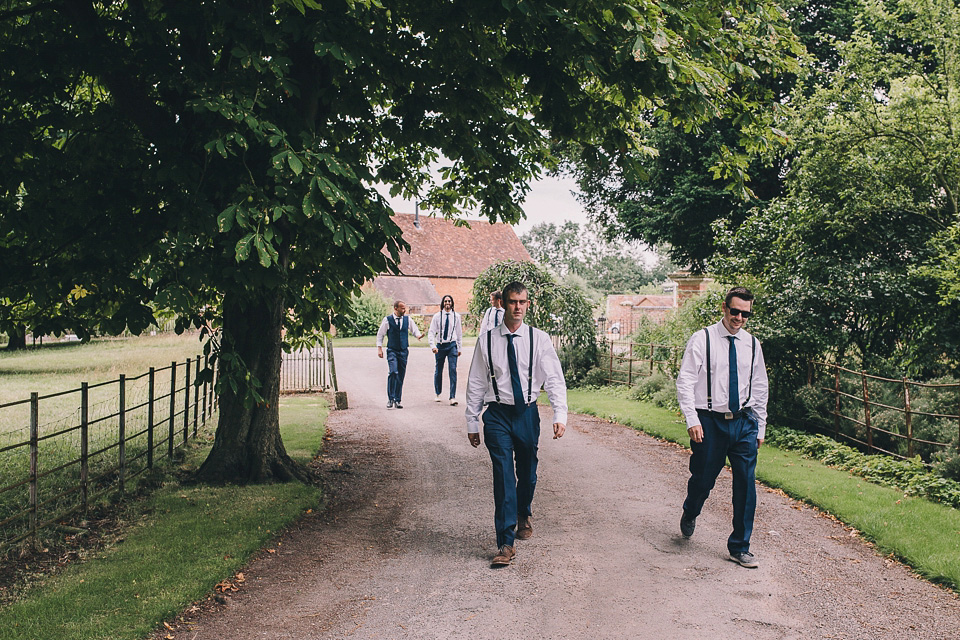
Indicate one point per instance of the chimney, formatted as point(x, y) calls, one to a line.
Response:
point(416, 215)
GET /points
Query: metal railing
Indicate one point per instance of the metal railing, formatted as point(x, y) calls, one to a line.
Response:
point(625, 361)
point(895, 416)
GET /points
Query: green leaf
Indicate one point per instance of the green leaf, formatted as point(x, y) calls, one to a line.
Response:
point(225, 219)
point(295, 163)
point(243, 247)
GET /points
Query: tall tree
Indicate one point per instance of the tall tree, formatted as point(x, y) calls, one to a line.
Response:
point(219, 158)
point(679, 187)
point(856, 258)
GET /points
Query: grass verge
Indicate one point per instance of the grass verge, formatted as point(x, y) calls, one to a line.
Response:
point(180, 543)
point(924, 535)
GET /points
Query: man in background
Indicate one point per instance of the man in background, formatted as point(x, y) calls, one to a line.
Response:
point(446, 340)
point(395, 327)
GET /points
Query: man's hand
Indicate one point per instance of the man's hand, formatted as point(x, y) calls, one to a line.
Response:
point(420, 337)
point(759, 442)
point(435, 349)
point(459, 353)
point(558, 430)
point(379, 352)
point(695, 432)
point(474, 439)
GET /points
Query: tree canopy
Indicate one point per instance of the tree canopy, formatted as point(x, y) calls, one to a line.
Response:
point(219, 159)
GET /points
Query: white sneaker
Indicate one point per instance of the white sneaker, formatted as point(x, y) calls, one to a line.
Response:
point(453, 402)
point(439, 399)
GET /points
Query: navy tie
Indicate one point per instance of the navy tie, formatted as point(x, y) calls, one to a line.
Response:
point(734, 402)
point(446, 323)
point(518, 402)
point(496, 317)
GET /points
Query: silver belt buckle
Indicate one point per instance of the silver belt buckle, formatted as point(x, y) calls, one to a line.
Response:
point(728, 415)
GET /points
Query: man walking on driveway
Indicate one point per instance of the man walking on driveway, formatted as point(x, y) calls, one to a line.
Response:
point(446, 340)
point(493, 316)
point(722, 390)
point(510, 364)
point(396, 327)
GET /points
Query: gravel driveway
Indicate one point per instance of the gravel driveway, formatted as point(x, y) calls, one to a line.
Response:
point(403, 548)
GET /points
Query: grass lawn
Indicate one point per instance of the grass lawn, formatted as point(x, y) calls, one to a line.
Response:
point(179, 543)
point(923, 534)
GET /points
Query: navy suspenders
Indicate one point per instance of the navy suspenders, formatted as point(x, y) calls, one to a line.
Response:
point(753, 358)
point(493, 374)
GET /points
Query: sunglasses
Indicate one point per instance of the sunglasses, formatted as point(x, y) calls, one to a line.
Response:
point(739, 312)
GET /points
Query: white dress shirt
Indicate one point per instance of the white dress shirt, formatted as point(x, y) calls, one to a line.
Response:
point(411, 328)
point(454, 329)
point(493, 316)
point(692, 379)
point(547, 373)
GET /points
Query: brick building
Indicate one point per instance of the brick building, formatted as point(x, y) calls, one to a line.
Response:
point(446, 259)
point(623, 312)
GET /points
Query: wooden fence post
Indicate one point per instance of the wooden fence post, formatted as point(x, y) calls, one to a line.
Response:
point(150, 391)
point(34, 459)
point(630, 369)
point(836, 402)
point(206, 363)
point(84, 445)
point(196, 400)
point(186, 403)
point(173, 407)
point(866, 410)
point(122, 426)
point(651, 358)
point(906, 411)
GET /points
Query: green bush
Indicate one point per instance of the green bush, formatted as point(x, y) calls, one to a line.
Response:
point(595, 377)
point(366, 314)
point(911, 476)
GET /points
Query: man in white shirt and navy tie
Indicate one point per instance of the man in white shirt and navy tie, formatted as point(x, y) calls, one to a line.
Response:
point(510, 364)
point(446, 340)
point(722, 390)
point(395, 328)
point(493, 316)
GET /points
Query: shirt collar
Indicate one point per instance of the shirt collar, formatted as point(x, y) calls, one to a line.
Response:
point(504, 330)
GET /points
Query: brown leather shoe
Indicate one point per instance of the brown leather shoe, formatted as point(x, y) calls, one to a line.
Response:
point(524, 529)
point(504, 556)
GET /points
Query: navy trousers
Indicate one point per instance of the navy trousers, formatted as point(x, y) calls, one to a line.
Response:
point(736, 439)
point(446, 351)
point(512, 441)
point(397, 362)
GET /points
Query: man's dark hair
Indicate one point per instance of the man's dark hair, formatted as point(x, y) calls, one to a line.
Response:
point(738, 292)
point(444, 299)
point(513, 287)
point(396, 303)
point(496, 295)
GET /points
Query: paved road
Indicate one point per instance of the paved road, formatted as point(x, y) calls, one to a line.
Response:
point(403, 549)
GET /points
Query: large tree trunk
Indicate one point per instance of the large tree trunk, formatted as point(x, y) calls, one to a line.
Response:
point(17, 338)
point(247, 447)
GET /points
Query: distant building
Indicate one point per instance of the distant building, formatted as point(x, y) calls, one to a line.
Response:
point(446, 259)
point(623, 312)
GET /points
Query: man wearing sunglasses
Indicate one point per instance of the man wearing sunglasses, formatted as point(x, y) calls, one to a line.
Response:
point(722, 390)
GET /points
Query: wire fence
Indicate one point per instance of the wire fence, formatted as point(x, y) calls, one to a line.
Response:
point(61, 462)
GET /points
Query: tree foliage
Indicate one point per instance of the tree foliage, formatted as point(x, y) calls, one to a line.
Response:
point(607, 267)
point(219, 159)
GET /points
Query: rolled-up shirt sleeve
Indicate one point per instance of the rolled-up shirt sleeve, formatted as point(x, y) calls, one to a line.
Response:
point(690, 368)
point(761, 393)
point(553, 381)
point(476, 387)
point(382, 331)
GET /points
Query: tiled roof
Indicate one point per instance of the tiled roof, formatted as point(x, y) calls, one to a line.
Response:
point(440, 248)
point(413, 291)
